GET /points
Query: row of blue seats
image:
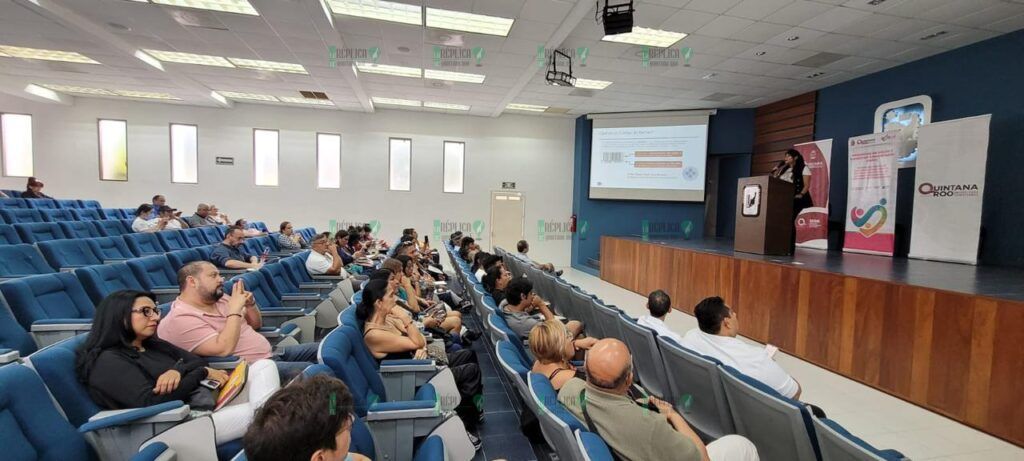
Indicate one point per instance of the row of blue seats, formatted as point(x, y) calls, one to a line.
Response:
point(11, 201)
point(722, 400)
point(27, 215)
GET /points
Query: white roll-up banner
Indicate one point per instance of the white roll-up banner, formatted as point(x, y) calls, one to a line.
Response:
point(949, 187)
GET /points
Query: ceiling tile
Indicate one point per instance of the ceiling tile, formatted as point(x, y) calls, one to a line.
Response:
point(724, 26)
point(797, 12)
point(711, 6)
point(687, 21)
point(835, 18)
point(757, 9)
point(760, 32)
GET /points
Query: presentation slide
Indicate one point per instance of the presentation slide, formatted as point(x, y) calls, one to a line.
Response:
point(649, 162)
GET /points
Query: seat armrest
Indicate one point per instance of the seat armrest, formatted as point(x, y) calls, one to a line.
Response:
point(407, 365)
point(61, 325)
point(157, 451)
point(316, 286)
point(71, 268)
point(228, 362)
point(329, 277)
point(270, 332)
point(165, 290)
point(278, 311)
point(172, 411)
point(301, 297)
point(226, 273)
point(402, 410)
point(114, 260)
point(9, 356)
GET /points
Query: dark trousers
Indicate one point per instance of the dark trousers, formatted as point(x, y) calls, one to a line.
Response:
point(466, 371)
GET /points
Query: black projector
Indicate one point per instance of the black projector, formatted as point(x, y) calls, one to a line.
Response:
point(559, 78)
point(617, 19)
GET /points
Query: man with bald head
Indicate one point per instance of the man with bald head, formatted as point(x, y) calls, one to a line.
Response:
point(201, 218)
point(634, 432)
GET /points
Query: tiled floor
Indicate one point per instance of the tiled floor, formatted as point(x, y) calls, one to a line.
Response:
point(880, 419)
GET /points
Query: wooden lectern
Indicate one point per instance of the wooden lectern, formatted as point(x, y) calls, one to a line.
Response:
point(764, 216)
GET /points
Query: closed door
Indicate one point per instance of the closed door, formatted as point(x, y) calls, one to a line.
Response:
point(507, 219)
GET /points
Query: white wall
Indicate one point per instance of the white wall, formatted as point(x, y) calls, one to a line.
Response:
point(534, 152)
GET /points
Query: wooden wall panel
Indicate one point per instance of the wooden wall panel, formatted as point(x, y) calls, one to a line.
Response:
point(779, 125)
point(956, 354)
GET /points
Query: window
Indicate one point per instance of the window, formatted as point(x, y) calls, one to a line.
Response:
point(400, 164)
point(16, 144)
point(264, 150)
point(113, 150)
point(454, 166)
point(184, 153)
point(328, 161)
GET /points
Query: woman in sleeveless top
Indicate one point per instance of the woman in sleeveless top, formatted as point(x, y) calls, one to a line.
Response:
point(553, 347)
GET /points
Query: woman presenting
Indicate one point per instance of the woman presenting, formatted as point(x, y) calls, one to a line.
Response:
point(793, 170)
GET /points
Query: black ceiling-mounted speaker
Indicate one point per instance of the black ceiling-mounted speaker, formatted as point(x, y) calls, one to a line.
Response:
point(618, 18)
point(559, 77)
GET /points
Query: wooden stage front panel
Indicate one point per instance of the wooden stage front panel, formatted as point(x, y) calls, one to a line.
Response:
point(934, 348)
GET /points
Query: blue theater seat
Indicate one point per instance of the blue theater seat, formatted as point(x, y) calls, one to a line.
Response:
point(52, 307)
point(43, 203)
point(8, 236)
point(81, 229)
point(113, 213)
point(102, 280)
point(21, 215)
point(58, 214)
point(12, 335)
point(172, 240)
point(182, 257)
point(155, 274)
point(195, 238)
point(68, 254)
point(144, 244)
point(22, 260)
point(211, 234)
point(90, 204)
point(12, 203)
point(68, 203)
point(258, 225)
point(275, 310)
point(110, 248)
point(112, 227)
point(129, 213)
point(88, 214)
point(556, 422)
point(31, 427)
point(39, 232)
point(593, 446)
point(838, 444)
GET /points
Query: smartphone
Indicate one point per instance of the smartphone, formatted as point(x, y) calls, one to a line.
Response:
point(426, 240)
point(210, 384)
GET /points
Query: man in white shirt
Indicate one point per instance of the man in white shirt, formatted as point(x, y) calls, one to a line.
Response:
point(659, 304)
point(324, 259)
point(716, 338)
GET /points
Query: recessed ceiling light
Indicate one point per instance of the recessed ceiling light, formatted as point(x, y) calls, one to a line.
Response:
point(190, 58)
point(468, 22)
point(453, 76)
point(227, 6)
point(250, 96)
point(256, 64)
point(379, 9)
point(219, 98)
point(78, 89)
point(45, 55)
point(759, 53)
point(792, 38)
point(645, 36)
point(387, 69)
point(592, 84)
point(526, 107)
point(315, 102)
point(814, 75)
point(396, 101)
point(445, 105)
point(4, 55)
point(146, 95)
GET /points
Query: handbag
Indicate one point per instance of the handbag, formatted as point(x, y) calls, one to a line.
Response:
point(436, 351)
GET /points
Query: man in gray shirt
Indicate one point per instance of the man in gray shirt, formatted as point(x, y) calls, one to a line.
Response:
point(521, 303)
point(201, 218)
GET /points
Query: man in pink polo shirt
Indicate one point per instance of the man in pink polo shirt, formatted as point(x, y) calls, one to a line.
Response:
point(205, 321)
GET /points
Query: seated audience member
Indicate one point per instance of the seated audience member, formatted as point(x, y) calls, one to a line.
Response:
point(524, 247)
point(202, 217)
point(34, 189)
point(477, 264)
point(248, 231)
point(390, 333)
point(659, 305)
point(288, 239)
point(716, 337)
point(124, 364)
point(455, 240)
point(634, 432)
point(521, 303)
point(410, 290)
point(324, 258)
point(496, 281)
point(217, 217)
point(207, 322)
point(229, 254)
point(172, 217)
point(142, 223)
point(158, 201)
point(487, 262)
point(468, 249)
point(309, 420)
point(553, 348)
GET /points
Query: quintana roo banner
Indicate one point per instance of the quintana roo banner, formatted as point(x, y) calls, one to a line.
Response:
point(812, 222)
point(871, 198)
point(950, 185)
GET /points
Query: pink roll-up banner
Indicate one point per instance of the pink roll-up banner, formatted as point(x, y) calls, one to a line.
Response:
point(871, 194)
point(812, 222)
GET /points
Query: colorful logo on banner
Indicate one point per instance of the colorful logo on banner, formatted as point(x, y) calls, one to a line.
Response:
point(863, 219)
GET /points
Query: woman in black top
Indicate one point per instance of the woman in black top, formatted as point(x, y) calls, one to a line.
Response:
point(34, 189)
point(794, 170)
point(495, 282)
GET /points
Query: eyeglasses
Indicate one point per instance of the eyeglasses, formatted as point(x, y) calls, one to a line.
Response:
point(147, 311)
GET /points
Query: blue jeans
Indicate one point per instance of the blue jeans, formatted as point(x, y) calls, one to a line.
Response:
point(291, 360)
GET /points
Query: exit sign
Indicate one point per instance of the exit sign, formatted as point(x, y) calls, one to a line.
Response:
point(508, 185)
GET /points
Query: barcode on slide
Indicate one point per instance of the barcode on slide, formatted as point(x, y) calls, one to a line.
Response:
point(612, 157)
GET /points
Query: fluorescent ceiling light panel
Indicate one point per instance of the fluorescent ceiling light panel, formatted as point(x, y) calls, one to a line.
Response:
point(379, 9)
point(468, 22)
point(526, 107)
point(146, 95)
point(592, 84)
point(396, 101)
point(271, 66)
point(315, 102)
point(445, 105)
point(644, 36)
point(251, 96)
point(4, 55)
point(387, 69)
point(47, 93)
point(227, 6)
point(45, 55)
point(190, 58)
point(79, 89)
point(453, 76)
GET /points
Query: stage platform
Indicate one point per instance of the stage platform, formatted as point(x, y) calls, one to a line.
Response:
point(947, 337)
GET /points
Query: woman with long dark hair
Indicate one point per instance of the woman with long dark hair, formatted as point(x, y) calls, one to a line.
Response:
point(389, 333)
point(123, 364)
point(794, 170)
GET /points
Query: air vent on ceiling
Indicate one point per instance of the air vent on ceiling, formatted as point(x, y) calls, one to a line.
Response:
point(313, 94)
point(819, 59)
point(557, 110)
point(444, 38)
point(190, 18)
point(814, 75)
point(717, 97)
